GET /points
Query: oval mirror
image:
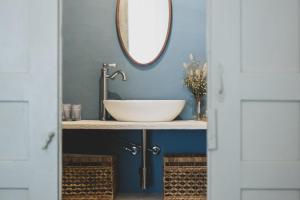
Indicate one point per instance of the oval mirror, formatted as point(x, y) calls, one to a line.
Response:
point(144, 28)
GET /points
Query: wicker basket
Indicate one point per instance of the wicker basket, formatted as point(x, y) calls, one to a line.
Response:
point(185, 177)
point(89, 177)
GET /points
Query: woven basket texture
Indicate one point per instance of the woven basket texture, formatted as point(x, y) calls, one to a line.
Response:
point(89, 177)
point(185, 177)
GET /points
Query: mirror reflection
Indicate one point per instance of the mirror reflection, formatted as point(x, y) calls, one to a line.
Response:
point(144, 28)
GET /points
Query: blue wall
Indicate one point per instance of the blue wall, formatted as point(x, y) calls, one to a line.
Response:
point(90, 39)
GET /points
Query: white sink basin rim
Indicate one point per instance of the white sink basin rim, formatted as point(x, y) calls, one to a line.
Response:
point(144, 110)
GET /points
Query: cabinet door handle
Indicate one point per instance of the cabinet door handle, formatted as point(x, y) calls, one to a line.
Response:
point(48, 141)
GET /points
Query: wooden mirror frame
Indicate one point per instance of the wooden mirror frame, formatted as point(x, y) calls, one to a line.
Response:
point(163, 46)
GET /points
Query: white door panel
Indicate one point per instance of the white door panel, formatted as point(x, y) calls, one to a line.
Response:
point(270, 32)
point(20, 194)
point(271, 195)
point(270, 131)
point(270, 175)
point(266, 90)
point(15, 36)
point(14, 128)
point(28, 99)
point(258, 122)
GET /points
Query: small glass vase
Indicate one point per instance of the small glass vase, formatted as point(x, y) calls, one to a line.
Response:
point(200, 112)
point(197, 110)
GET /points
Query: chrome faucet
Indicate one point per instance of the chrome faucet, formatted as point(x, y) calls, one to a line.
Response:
point(103, 85)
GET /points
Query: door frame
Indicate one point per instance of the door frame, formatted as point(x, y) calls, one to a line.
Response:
point(60, 92)
point(60, 97)
point(211, 113)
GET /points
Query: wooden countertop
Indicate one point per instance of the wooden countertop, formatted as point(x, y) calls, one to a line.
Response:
point(116, 125)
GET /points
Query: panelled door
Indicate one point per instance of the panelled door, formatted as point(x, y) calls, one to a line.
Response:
point(28, 99)
point(254, 127)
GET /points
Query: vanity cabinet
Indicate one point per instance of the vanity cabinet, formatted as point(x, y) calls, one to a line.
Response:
point(176, 137)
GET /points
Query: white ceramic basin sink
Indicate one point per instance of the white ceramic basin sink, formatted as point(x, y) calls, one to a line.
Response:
point(144, 110)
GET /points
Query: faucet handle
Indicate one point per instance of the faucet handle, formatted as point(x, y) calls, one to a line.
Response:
point(112, 65)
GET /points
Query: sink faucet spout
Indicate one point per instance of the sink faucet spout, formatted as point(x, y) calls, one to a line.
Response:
point(103, 85)
point(116, 73)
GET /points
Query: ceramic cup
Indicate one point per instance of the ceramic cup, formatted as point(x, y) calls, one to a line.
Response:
point(76, 112)
point(67, 112)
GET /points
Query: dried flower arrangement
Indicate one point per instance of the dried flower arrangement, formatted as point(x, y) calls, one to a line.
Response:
point(196, 77)
point(196, 80)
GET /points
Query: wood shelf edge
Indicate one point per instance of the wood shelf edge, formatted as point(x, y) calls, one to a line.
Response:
point(116, 125)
